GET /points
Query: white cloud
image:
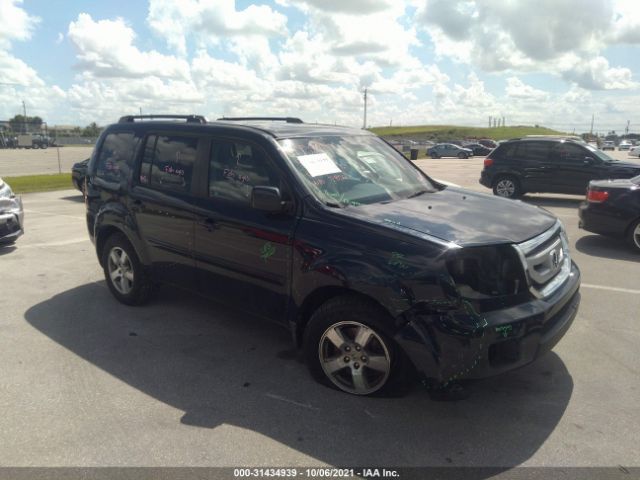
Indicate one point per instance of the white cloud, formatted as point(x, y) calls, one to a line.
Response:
point(211, 20)
point(17, 24)
point(562, 37)
point(596, 74)
point(105, 48)
point(517, 89)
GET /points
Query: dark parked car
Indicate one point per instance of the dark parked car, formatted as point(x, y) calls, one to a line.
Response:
point(377, 270)
point(11, 215)
point(478, 149)
point(449, 150)
point(549, 165)
point(487, 142)
point(78, 174)
point(612, 208)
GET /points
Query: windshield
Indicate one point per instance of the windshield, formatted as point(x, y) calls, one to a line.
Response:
point(600, 154)
point(344, 171)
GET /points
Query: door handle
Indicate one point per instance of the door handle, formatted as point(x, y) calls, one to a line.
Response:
point(208, 223)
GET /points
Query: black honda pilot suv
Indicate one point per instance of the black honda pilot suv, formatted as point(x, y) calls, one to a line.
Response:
point(379, 272)
point(549, 165)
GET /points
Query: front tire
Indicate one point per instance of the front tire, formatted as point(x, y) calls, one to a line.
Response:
point(123, 271)
point(463, 155)
point(634, 236)
point(348, 346)
point(507, 187)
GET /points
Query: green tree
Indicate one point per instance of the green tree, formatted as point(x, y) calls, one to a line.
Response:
point(20, 123)
point(91, 130)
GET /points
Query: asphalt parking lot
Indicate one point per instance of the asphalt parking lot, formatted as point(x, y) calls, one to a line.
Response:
point(87, 381)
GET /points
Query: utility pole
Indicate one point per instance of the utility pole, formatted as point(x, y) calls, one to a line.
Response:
point(503, 122)
point(24, 123)
point(592, 117)
point(364, 125)
point(489, 121)
point(626, 130)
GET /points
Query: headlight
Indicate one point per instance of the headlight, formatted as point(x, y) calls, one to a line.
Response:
point(5, 190)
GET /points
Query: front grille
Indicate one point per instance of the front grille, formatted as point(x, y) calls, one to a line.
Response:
point(546, 261)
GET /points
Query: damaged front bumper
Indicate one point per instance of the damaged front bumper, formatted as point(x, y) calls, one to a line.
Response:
point(459, 345)
point(11, 219)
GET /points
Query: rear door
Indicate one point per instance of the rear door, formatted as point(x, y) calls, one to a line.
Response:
point(161, 200)
point(537, 168)
point(243, 255)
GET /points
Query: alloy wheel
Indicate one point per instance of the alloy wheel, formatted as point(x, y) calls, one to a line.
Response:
point(354, 357)
point(120, 270)
point(505, 188)
point(635, 236)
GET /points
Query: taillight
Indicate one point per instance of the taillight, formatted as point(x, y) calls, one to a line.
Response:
point(597, 196)
point(488, 162)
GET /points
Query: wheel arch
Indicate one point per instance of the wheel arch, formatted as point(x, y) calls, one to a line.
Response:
point(321, 295)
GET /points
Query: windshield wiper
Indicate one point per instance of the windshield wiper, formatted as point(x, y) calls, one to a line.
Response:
point(333, 204)
point(419, 192)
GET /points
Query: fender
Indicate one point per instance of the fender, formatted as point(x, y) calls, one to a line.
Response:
point(115, 216)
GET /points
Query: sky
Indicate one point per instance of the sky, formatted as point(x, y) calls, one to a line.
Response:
point(548, 62)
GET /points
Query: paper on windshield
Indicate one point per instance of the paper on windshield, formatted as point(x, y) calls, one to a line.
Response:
point(318, 164)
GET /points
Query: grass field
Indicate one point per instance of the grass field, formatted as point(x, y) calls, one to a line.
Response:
point(440, 133)
point(39, 183)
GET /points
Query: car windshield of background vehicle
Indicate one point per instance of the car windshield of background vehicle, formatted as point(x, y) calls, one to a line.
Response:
point(600, 154)
point(353, 170)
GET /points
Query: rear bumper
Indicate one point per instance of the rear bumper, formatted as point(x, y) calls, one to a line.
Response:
point(485, 179)
point(508, 338)
point(596, 218)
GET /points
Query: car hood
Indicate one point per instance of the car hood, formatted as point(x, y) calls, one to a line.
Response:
point(460, 216)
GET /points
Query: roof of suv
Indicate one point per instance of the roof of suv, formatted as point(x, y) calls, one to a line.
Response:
point(277, 127)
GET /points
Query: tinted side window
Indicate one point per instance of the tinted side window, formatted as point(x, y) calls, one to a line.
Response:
point(235, 168)
point(505, 151)
point(115, 156)
point(168, 162)
point(569, 152)
point(534, 151)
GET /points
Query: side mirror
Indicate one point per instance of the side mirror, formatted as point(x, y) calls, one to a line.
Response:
point(267, 199)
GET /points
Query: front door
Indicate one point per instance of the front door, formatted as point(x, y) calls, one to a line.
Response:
point(573, 170)
point(243, 255)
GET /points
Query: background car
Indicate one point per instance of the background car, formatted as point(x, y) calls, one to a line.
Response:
point(624, 145)
point(612, 207)
point(608, 145)
point(549, 165)
point(479, 149)
point(487, 142)
point(11, 215)
point(449, 150)
point(634, 152)
point(78, 174)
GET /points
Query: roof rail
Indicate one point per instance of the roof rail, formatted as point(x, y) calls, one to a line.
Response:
point(273, 119)
point(187, 118)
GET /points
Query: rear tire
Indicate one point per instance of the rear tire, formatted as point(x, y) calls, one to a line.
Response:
point(633, 236)
point(506, 186)
point(348, 346)
point(434, 155)
point(463, 155)
point(123, 271)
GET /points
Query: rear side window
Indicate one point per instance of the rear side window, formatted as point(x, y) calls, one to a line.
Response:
point(535, 151)
point(506, 151)
point(115, 156)
point(168, 162)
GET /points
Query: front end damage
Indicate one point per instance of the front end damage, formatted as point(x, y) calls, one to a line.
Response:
point(501, 307)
